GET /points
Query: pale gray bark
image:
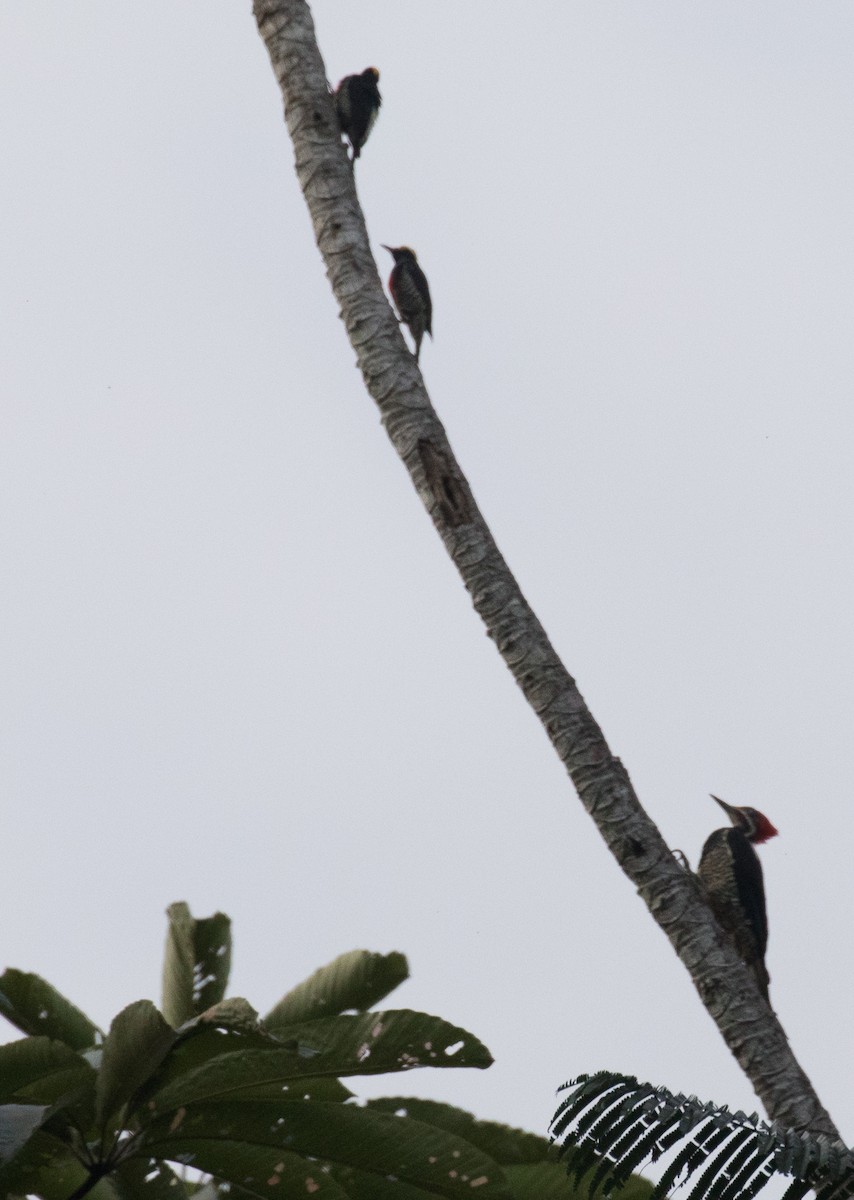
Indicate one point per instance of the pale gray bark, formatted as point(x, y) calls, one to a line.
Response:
point(725, 985)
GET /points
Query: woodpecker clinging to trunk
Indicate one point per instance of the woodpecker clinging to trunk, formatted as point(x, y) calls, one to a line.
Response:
point(410, 293)
point(357, 102)
point(731, 875)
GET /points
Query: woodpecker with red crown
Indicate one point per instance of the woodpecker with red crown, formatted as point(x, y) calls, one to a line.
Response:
point(410, 293)
point(731, 876)
point(357, 103)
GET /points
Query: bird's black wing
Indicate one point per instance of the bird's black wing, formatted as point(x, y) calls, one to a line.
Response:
point(751, 888)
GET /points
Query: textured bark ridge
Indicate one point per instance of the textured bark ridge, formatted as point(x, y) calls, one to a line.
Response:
point(393, 379)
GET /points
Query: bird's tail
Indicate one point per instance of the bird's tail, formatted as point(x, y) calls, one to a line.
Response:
point(762, 977)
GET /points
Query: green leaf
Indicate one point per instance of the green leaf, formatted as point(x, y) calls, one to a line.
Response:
point(690, 1158)
point(323, 1088)
point(259, 1170)
point(244, 1075)
point(33, 1006)
point(650, 1147)
point(361, 1185)
point(540, 1181)
point(715, 1179)
point(330, 1047)
point(209, 1191)
point(743, 1172)
point(196, 964)
point(376, 1042)
point(357, 980)
point(138, 1041)
point(530, 1163)
point(636, 1188)
point(501, 1142)
point(537, 1181)
point(201, 1042)
point(147, 1179)
point(38, 1070)
point(235, 1013)
point(46, 1167)
point(385, 1145)
point(797, 1190)
point(724, 1155)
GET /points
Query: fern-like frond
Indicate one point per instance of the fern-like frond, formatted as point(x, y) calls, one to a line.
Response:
point(613, 1124)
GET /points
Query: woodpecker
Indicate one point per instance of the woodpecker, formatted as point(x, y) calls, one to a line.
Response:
point(357, 102)
point(410, 293)
point(731, 876)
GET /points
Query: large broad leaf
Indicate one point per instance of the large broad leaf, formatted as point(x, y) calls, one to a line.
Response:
point(379, 1143)
point(501, 1142)
point(529, 1162)
point(37, 1070)
point(357, 980)
point(538, 1181)
point(138, 1041)
point(211, 1191)
point(365, 1045)
point(147, 1179)
point(376, 1042)
point(196, 964)
point(246, 1075)
point(549, 1181)
point(202, 1041)
point(35, 1007)
point(542, 1181)
point(259, 1170)
point(45, 1167)
point(234, 1013)
point(360, 1185)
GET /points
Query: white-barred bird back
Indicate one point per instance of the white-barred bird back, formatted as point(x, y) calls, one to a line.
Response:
point(410, 293)
point(731, 876)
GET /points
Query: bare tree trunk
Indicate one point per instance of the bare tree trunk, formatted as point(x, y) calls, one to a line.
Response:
point(392, 378)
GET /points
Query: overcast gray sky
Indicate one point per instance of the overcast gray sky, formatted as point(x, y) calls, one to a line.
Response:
point(237, 667)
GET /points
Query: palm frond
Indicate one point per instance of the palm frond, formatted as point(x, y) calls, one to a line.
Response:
point(613, 1124)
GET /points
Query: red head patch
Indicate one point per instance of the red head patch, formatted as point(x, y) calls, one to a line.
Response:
point(764, 829)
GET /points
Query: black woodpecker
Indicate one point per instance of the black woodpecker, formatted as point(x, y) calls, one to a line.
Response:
point(410, 293)
point(357, 102)
point(731, 876)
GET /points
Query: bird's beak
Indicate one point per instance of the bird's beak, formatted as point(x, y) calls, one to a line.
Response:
point(728, 809)
point(385, 247)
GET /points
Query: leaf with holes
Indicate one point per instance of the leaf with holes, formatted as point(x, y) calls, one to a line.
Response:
point(245, 1075)
point(259, 1170)
point(501, 1142)
point(34, 1007)
point(376, 1042)
point(196, 964)
point(147, 1179)
point(379, 1143)
point(529, 1162)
